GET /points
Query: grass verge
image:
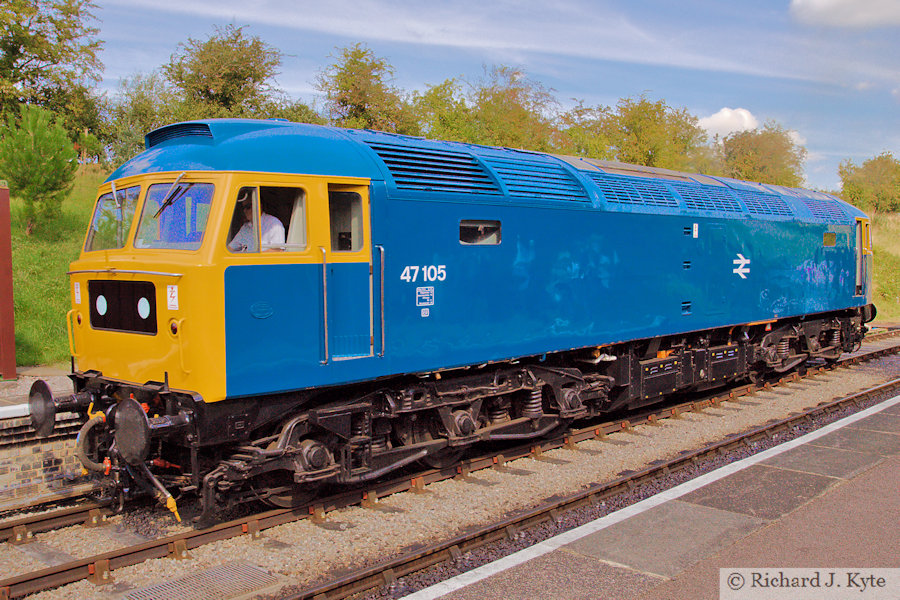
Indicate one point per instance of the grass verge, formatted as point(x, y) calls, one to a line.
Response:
point(40, 283)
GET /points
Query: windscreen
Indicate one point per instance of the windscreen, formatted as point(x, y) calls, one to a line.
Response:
point(174, 216)
point(112, 219)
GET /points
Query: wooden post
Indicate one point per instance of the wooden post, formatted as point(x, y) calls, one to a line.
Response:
point(7, 317)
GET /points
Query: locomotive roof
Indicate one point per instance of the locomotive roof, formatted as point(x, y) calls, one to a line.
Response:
point(418, 168)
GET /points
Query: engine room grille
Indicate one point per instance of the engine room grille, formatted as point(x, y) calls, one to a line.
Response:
point(631, 190)
point(826, 209)
point(416, 168)
point(700, 197)
point(536, 179)
point(764, 204)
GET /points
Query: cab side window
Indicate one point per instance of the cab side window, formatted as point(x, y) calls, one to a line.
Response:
point(345, 212)
point(271, 218)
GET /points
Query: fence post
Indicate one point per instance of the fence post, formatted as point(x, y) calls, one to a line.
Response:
point(7, 316)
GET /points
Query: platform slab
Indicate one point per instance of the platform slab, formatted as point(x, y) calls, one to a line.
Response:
point(666, 539)
point(881, 422)
point(824, 460)
point(561, 574)
point(761, 491)
point(862, 440)
point(853, 524)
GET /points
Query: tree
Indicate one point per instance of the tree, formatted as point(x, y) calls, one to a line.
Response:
point(143, 103)
point(766, 154)
point(226, 75)
point(48, 57)
point(443, 114)
point(643, 132)
point(38, 159)
point(359, 93)
point(584, 132)
point(508, 109)
point(874, 185)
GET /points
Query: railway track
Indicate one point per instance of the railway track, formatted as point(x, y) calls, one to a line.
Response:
point(98, 568)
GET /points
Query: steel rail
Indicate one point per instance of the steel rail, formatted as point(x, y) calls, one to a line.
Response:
point(22, 529)
point(181, 544)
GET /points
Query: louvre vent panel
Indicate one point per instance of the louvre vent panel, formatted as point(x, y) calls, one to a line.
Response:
point(630, 190)
point(176, 131)
point(527, 179)
point(826, 209)
point(701, 197)
point(764, 204)
point(442, 171)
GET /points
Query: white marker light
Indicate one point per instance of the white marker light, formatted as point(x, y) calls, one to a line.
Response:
point(143, 308)
point(101, 305)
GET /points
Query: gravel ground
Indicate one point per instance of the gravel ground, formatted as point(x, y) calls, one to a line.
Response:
point(307, 552)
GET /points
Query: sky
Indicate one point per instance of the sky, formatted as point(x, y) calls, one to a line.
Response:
point(827, 70)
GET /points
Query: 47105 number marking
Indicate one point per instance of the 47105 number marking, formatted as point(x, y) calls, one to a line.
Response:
point(429, 273)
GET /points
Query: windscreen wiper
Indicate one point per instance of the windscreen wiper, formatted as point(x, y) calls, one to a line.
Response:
point(169, 198)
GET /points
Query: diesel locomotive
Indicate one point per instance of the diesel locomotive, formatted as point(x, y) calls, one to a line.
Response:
point(423, 297)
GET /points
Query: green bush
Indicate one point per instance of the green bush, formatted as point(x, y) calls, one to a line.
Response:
point(38, 160)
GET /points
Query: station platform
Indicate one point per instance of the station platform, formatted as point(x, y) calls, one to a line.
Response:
point(829, 500)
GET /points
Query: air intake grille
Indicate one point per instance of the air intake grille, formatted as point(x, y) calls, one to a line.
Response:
point(703, 197)
point(631, 190)
point(536, 179)
point(764, 204)
point(827, 210)
point(416, 168)
point(158, 136)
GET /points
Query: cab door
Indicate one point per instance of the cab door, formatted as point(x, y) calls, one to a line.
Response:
point(347, 275)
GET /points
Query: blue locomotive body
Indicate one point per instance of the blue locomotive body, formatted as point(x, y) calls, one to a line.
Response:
point(588, 254)
point(430, 295)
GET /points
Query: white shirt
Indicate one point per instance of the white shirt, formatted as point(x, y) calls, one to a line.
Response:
point(245, 240)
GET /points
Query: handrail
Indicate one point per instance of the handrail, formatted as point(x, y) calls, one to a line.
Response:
point(381, 251)
point(114, 271)
point(325, 300)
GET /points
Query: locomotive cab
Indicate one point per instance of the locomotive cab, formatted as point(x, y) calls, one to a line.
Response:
point(182, 273)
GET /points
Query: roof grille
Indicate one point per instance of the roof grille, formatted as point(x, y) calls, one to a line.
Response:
point(703, 197)
point(158, 136)
point(417, 168)
point(764, 204)
point(632, 190)
point(536, 179)
point(826, 209)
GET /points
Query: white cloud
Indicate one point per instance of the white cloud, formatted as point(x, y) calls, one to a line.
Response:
point(796, 137)
point(728, 120)
point(847, 13)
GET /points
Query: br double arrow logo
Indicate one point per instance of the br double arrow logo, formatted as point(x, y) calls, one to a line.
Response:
point(741, 269)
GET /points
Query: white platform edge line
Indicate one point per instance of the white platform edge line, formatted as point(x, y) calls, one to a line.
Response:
point(462, 580)
point(14, 412)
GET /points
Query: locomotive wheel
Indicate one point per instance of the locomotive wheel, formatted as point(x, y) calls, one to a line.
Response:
point(288, 494)
point(443, 458)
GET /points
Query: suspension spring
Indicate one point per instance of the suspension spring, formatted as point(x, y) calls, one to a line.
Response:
point(498, 412)
point(534, 408)
point(359, 427)
point(835, 338)
point(380, 443)
point(784, 348)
